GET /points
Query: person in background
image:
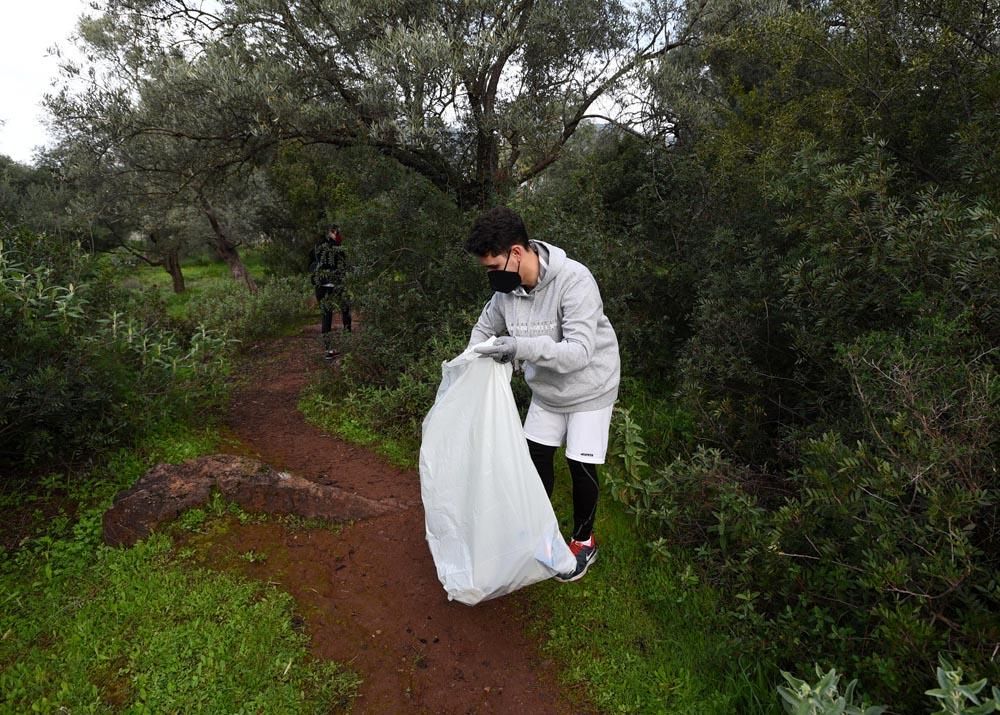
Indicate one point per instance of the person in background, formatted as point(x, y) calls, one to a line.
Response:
point(328, 266)
point(548, 316)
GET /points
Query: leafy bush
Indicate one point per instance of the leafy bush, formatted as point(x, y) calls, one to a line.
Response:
point(396, 408)
point(229, 308)
point(953, 696)
point(599, 204)
point(851, 510)
point(81, 370)
point(824, 697)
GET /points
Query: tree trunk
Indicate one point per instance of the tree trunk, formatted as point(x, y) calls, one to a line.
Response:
point(226, 249)
point(487, 161)
point(172, 265)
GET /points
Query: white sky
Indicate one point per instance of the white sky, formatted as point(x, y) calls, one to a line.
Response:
point(27, 29)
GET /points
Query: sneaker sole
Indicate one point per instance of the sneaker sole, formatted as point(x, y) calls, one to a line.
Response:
point(577, 577)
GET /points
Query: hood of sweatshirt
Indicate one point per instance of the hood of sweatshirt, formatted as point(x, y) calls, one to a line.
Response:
point(552, 259)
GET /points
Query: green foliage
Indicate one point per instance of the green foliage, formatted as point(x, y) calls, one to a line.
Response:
point(867, 375)
point(599, 204)
point(192, 519)
point(202, 274)
point(250, 83)
point(253, 557)
point(93, 628)
point(952, 697)
point(824, 697)
point(36, 198)
point(85, 369)
point(870, 548)
point(957, 698)
point(643, 633)
point(317, 187)
point(349, 421)
point(230, 309)
point(413, 281)
point(841, 366)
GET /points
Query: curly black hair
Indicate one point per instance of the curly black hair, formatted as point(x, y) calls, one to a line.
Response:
point(495, 231)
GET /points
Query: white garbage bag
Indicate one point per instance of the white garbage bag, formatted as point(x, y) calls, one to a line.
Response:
point(490, 526)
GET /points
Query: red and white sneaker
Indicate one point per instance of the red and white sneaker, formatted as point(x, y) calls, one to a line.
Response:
point(586, 553)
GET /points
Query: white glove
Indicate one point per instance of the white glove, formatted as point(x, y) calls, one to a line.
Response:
point(502, 350)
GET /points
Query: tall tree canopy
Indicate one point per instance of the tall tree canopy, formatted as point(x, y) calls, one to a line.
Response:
point(476, 95)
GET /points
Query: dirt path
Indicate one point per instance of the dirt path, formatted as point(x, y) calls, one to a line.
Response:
point(369, 593)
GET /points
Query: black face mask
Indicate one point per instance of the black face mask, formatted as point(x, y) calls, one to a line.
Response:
point(504, 281)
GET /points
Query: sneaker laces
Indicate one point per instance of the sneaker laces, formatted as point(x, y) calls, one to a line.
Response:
point(577, 546)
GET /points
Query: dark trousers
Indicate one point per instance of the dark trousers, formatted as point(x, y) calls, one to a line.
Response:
point(585, 487)
point(329, 298)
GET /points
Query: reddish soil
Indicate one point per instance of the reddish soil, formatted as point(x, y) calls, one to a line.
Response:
point(368, 592)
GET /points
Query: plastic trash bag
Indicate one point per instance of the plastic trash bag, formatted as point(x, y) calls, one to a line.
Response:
point(490, 525)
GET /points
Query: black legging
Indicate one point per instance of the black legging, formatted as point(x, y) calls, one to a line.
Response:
point(585, 487)
point(328, 297)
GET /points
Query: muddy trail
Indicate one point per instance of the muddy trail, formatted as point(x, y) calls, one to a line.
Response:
point(367, 592)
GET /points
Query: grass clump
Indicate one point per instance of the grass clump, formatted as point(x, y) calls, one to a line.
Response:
point(91, 628)
point(335, 418)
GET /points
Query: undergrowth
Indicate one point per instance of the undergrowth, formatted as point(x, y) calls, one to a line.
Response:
point(89, 628)
point(643, 633)
point(331, 416)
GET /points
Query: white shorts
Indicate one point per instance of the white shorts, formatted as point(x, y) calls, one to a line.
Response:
point(585, 433)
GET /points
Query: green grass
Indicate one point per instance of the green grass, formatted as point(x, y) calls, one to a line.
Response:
point(200, 273)
point(138, 629)
point(89, 628)
point(320, 412)
point(641, 634)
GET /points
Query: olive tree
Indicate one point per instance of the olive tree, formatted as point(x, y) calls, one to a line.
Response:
point(478, 96)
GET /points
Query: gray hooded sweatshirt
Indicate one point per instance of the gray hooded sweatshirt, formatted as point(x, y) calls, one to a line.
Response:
point(567, 344)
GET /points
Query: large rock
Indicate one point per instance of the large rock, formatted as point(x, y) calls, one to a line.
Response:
point(167, 490)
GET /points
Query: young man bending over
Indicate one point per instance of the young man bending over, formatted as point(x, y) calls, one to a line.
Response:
point(548, 317)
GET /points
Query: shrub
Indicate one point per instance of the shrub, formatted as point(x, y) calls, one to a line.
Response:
point(824, 697)
point(953, 696)
point(231, 309)
point(396, 407)
point(848, 500)
point(81, 370)
point(875, 552)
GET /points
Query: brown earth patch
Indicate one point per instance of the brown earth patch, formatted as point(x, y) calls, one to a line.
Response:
point(368, 592)
point(167, 490)
point(24, 520)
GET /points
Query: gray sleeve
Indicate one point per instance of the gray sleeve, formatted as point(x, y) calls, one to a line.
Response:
point(582, 309)
point(491, 322)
